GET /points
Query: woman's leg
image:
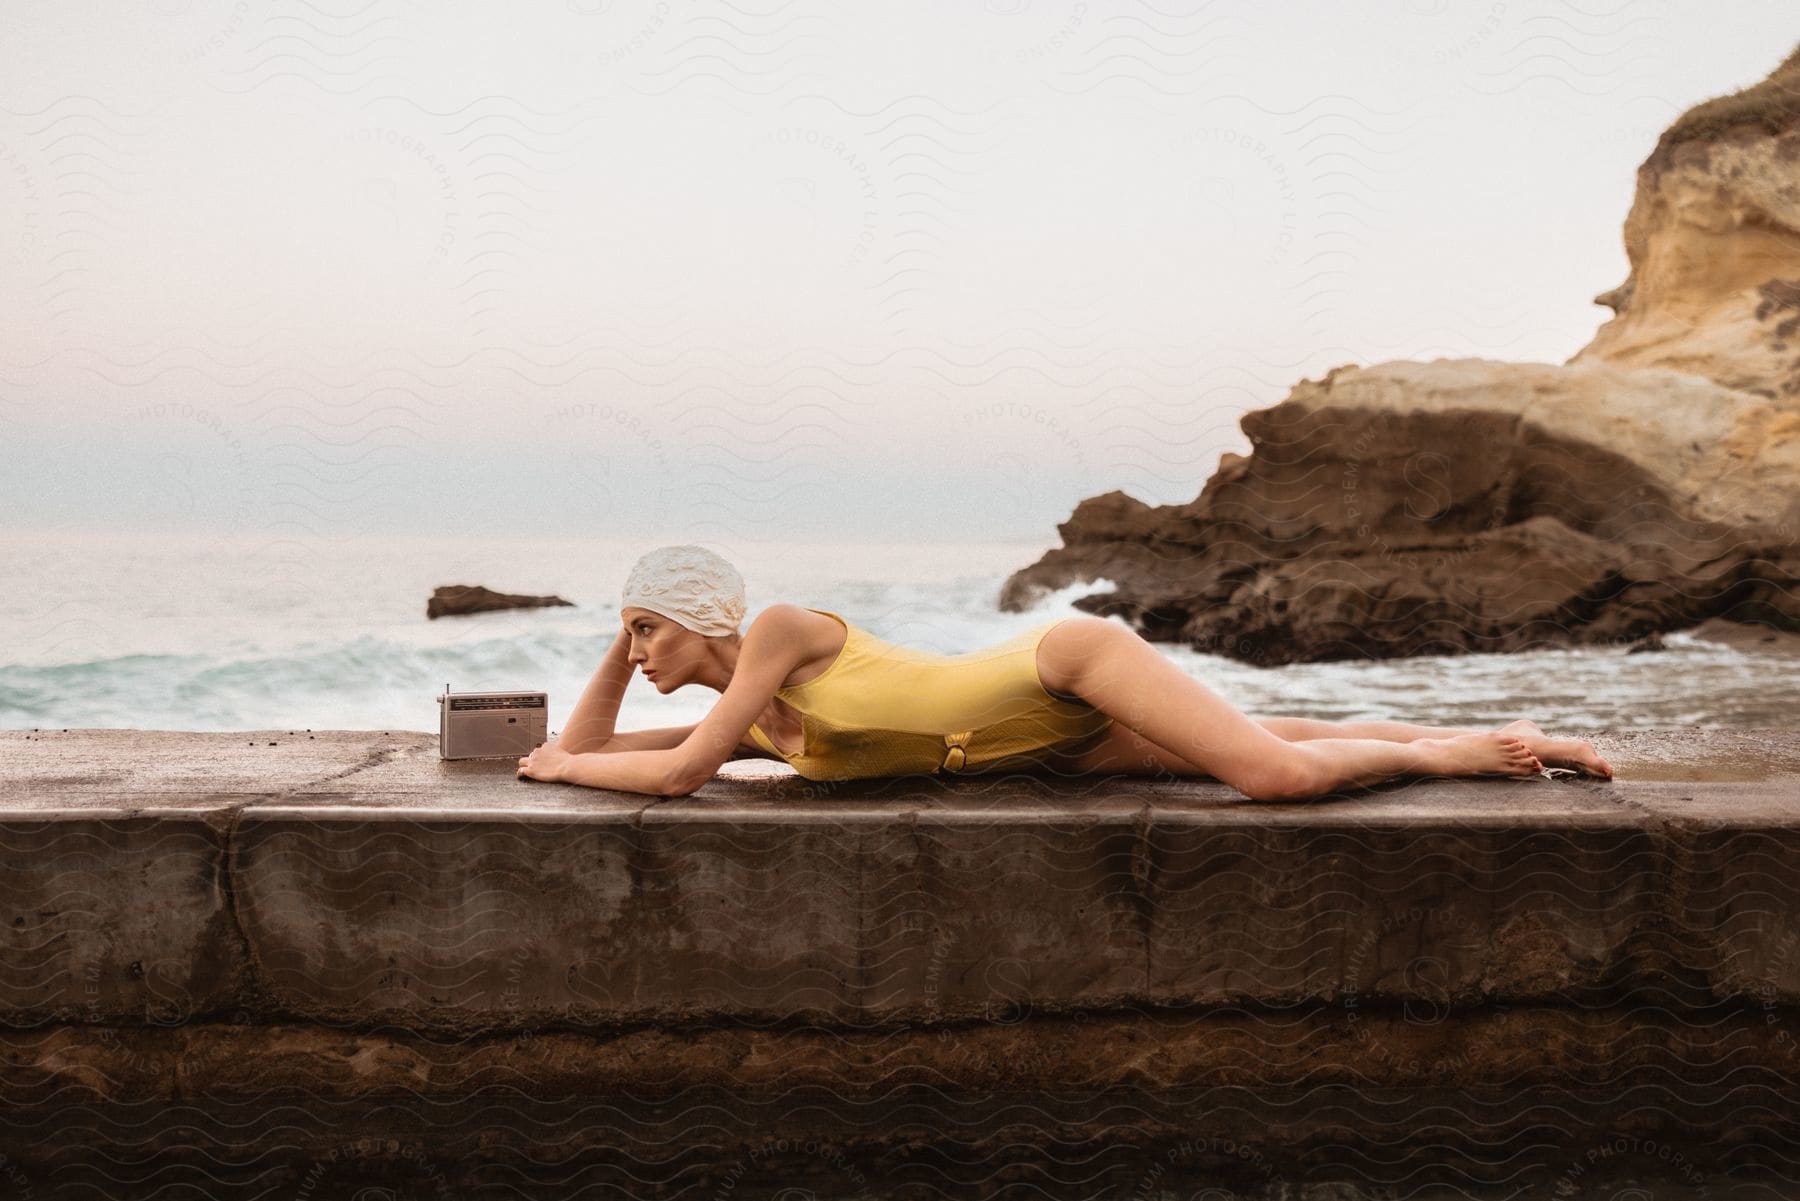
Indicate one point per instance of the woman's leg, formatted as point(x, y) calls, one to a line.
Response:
point(1303, 729)
point(1576, 753)
point(1131, 681)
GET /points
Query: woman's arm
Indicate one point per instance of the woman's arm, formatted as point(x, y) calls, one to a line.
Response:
point(771, 649)
point(596, 714)
point(638, 749)
point(622, 771)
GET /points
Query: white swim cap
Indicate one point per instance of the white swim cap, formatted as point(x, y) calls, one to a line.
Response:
point(690, 585)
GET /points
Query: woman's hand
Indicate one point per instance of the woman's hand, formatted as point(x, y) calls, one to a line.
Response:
point(544, 763)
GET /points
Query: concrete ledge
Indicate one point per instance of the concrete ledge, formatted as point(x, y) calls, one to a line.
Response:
point(354, 878)
point(305, 964)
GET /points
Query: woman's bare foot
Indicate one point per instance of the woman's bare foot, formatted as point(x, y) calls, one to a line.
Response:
point(1577, 754)
point(1478, 755)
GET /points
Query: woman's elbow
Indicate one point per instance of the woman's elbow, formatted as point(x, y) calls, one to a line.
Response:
point(686, 781)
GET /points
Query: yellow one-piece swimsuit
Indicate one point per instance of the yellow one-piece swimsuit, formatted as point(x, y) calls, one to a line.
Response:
point(887, 710)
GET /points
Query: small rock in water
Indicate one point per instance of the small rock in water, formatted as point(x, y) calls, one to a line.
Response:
point(458, 600)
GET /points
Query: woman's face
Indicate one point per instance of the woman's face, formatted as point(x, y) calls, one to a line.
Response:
point(664, 650)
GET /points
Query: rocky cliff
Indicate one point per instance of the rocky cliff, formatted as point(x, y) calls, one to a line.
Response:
point(1648, 484)
point(1713, 238)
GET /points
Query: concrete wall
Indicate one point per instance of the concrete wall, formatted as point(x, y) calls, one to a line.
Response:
point(210, 938)
point(357, 878)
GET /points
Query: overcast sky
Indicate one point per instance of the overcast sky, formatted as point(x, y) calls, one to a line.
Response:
point(721, 272)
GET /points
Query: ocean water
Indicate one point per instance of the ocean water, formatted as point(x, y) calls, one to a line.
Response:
point(253, 632)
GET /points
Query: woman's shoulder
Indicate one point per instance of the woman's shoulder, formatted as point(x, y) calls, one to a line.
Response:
point(783, 611)
point(799, 618)
point(808, 637)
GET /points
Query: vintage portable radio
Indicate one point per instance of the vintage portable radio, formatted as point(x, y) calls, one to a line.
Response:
point(491, 725)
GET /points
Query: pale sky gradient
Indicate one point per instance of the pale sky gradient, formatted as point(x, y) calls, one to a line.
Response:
point(799, 270)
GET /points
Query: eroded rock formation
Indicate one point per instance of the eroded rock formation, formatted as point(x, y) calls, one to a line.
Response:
point(1650, 483)
point(1435, 508)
